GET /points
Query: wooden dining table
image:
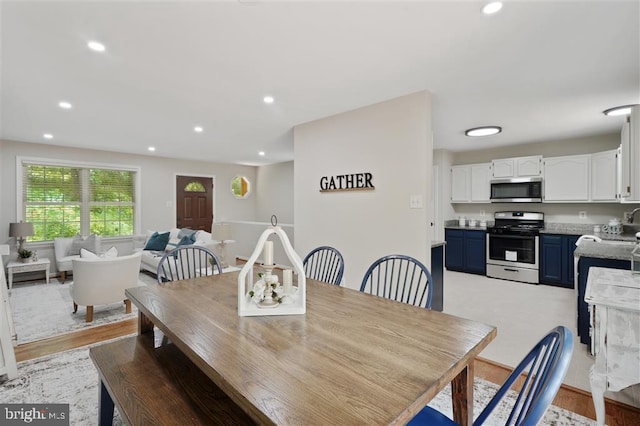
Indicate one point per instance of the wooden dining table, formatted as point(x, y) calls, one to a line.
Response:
point(353, 358)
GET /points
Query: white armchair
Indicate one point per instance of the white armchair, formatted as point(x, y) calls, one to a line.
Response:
point(65, 252)
point(103, 281)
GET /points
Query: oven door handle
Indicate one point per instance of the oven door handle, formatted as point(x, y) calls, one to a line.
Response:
point(511, 270)
point(528, 237)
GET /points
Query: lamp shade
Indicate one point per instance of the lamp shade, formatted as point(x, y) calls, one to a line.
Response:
point(221, 231)
point(20, 229)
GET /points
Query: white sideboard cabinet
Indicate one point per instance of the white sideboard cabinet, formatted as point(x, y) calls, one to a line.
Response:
point(613, 296)
point(8, 363)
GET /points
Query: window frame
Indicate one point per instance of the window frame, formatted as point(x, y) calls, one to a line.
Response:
point(20, 206)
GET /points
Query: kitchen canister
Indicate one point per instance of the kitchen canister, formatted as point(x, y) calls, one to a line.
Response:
point(461, 221)
point(472, 223)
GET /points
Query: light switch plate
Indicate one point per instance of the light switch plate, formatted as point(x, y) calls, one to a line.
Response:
point(415, 202)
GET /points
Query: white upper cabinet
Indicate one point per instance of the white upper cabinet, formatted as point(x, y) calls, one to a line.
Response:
point(517, 167)
point(470, 183)
point(567, 178)
point(460, 184)
point(604, 182)
point(630, 158)
point(480, 183)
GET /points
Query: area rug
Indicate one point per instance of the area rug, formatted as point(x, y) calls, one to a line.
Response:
point(63, 378)
point(46, 310)
point(70, 378)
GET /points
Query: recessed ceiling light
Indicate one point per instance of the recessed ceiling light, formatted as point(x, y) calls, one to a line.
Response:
point(483, 131)
point(619, 110)
point(152, 148)
point(198, 129)
point(47, 136)
point(492, 8)
point(261, 153)
point(268, 99)
point(64, 105)
point(97, 46)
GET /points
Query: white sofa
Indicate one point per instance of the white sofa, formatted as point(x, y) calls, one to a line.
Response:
point(151, 258)
point(103, 281)
point(65, 252)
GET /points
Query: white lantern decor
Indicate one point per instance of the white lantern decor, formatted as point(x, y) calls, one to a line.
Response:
point(268, 296)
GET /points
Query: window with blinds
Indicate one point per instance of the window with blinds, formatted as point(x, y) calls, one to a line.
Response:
point(65, 200)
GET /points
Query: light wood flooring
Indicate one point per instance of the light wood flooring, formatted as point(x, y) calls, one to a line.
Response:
point(568, 397)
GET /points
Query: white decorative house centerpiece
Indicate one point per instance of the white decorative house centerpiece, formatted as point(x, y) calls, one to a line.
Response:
point(267, 296)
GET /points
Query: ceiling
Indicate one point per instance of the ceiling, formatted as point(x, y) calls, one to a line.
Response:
point(543, 70)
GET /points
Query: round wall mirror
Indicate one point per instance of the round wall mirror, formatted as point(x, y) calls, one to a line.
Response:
point(240, 186)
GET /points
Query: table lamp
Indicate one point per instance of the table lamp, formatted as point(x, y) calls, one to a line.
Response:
point(222, 233)
point(20, 230)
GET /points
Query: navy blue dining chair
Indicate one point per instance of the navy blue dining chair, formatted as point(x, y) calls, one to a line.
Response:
point(324, 264)
point(187, 262)
point(401, 278)
point(543, 370)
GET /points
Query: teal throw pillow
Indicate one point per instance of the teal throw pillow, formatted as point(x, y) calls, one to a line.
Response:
point(186, 232)
point(157, 242)
point(186, 241)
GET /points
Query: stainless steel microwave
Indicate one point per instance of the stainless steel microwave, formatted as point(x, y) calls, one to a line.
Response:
point(517, 190)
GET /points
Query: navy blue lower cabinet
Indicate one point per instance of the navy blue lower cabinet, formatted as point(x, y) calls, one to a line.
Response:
point(454, 249)
point(466, 250)
point(476, 252)
point(556, 259)
point(583, 273)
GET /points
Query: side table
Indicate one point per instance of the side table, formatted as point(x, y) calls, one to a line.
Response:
point(613, 296)
point(15, 267)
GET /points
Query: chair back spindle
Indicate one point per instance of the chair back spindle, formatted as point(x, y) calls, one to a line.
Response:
point(187, 262)
point(400, 278)
point(324, 264)
point(542, 370)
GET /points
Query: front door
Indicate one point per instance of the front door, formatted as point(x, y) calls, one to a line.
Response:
point(194, 204)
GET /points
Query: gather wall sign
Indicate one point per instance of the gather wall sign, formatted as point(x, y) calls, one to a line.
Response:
point(350, 182)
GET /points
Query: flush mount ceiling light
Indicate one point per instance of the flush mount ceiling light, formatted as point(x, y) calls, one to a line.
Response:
point(96, 46)
point(47, 136)
point(483, 131)
point(64, 105)
point(619, 110)
point(492, 8)
point(261, 153)
point(152, 148)
point(198, 129)
point(268, 99)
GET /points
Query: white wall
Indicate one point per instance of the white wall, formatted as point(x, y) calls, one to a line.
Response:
point(157, 185)
point(274, 192)
point(391, 140)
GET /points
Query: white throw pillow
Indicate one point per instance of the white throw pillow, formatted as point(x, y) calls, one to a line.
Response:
point(88, 254)
point(112, 252)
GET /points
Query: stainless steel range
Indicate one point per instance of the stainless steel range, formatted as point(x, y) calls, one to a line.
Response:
point(512, 246)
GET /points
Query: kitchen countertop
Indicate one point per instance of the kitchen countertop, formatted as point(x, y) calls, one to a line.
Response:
point(470, 228)
point(604, 251)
